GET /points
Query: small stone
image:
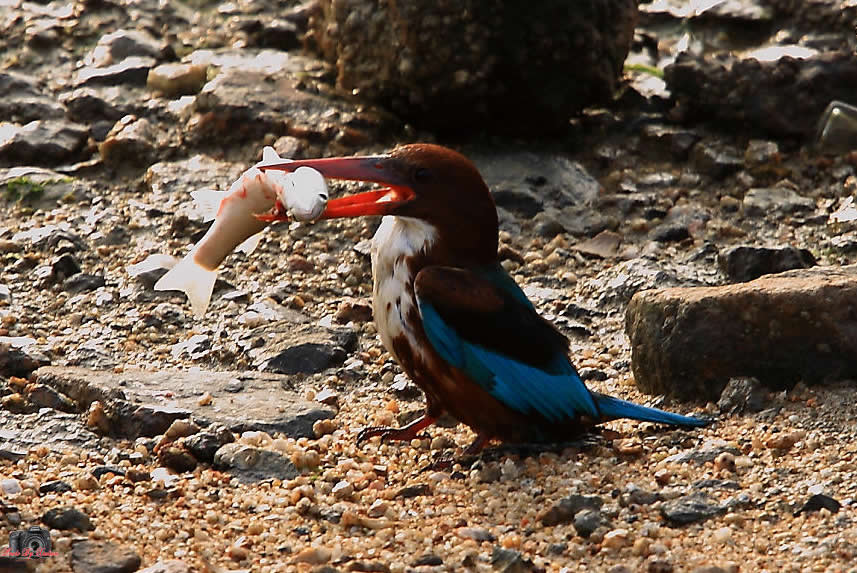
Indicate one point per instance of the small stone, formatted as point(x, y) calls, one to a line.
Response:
point(745, 263)
point(415, 490)
point(177, 458)
point(353, 310)
point(725, 461)
point(510, 561)
point(67, 518)
point(565, 510)
point(615, 539)
point(342, 490)
point(203, 445)
point(428, 560)
point(177, 79)
point(742, 395)
point(54, 486)
point(690, 509)
point(478, 534)
point(251, 464)
point(85, 482)
point(312, 555)
point(130, 141)
point(587, 521)
point(784, 440)
point(104, 556)
point(817, 502)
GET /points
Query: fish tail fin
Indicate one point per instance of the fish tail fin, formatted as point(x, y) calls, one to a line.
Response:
point(194, 280)
point(612, 408)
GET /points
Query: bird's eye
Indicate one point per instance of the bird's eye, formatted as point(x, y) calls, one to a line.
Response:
point(422, 174)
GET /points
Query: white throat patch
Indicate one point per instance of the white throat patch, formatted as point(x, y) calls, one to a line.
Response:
point(397, 239)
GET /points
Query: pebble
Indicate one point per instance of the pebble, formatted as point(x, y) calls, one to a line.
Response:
point(11, 487)
point(67, 518)
point(615, 539)
point(312, 555)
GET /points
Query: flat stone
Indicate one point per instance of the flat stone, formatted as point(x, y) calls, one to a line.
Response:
point(142, 403)
point(130, 71)
point(253, 96)
point(763, 201)
point(604, 245)
point(299, 349)
point(22, 100)
point(616, 285)
point(690, 509)
point(171, 566)
point(817, 502)
point(103, 103)
point(67, 518)
point(250, 464)
point(103, 557)
point(41, 142)
point(780, 329)
point(745, 262)
point(121, 44)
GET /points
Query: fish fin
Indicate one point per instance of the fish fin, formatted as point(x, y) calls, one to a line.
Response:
point(152, 263)
point(208, 202)
point(192, 279)
point(250, 244)
point(269, 154)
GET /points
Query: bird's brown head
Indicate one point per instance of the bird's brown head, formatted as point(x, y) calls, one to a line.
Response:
point(422, 181)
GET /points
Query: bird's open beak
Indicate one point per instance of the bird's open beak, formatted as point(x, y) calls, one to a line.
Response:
point(374, 169)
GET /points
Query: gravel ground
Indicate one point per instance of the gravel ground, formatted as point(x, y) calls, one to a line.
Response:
point(770, 487)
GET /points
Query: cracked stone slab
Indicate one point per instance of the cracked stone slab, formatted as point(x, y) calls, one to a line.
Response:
point(143, 403)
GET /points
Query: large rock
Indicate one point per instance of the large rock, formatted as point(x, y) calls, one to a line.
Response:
point(507, 65)
point(143, 403)
point(784, 97)
point(797, 325)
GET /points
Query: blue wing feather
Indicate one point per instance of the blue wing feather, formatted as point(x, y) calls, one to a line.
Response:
point(519, 386)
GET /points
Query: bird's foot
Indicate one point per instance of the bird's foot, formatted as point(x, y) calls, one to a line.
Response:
point(403, 434)
point(446, 461)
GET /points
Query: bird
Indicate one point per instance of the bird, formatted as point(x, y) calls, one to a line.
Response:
point(447, 311)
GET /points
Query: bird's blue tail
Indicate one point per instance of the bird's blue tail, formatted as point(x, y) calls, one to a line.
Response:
point(612, 408)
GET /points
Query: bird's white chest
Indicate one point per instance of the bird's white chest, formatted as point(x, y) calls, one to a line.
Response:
point(396, 241)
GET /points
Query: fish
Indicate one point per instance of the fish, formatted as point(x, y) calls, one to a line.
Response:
point(240, 215)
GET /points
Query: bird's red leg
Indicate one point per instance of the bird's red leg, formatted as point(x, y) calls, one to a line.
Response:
point(405, 433)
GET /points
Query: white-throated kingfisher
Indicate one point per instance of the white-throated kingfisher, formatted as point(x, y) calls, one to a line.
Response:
point(452, 317)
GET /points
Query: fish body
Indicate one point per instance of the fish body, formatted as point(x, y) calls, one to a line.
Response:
point(239, 218)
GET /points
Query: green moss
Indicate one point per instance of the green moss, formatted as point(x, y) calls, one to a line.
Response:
point(23, 190)
point(643, 69)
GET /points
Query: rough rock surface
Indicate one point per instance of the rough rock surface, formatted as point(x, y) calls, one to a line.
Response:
point(466, 63)
point(784, 97)
point(798, 325)
point(141, 403)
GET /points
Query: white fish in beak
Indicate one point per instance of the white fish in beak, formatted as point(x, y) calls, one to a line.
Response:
point(240, 215)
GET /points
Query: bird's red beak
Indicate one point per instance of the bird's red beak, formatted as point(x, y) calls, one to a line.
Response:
point(374, 169)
